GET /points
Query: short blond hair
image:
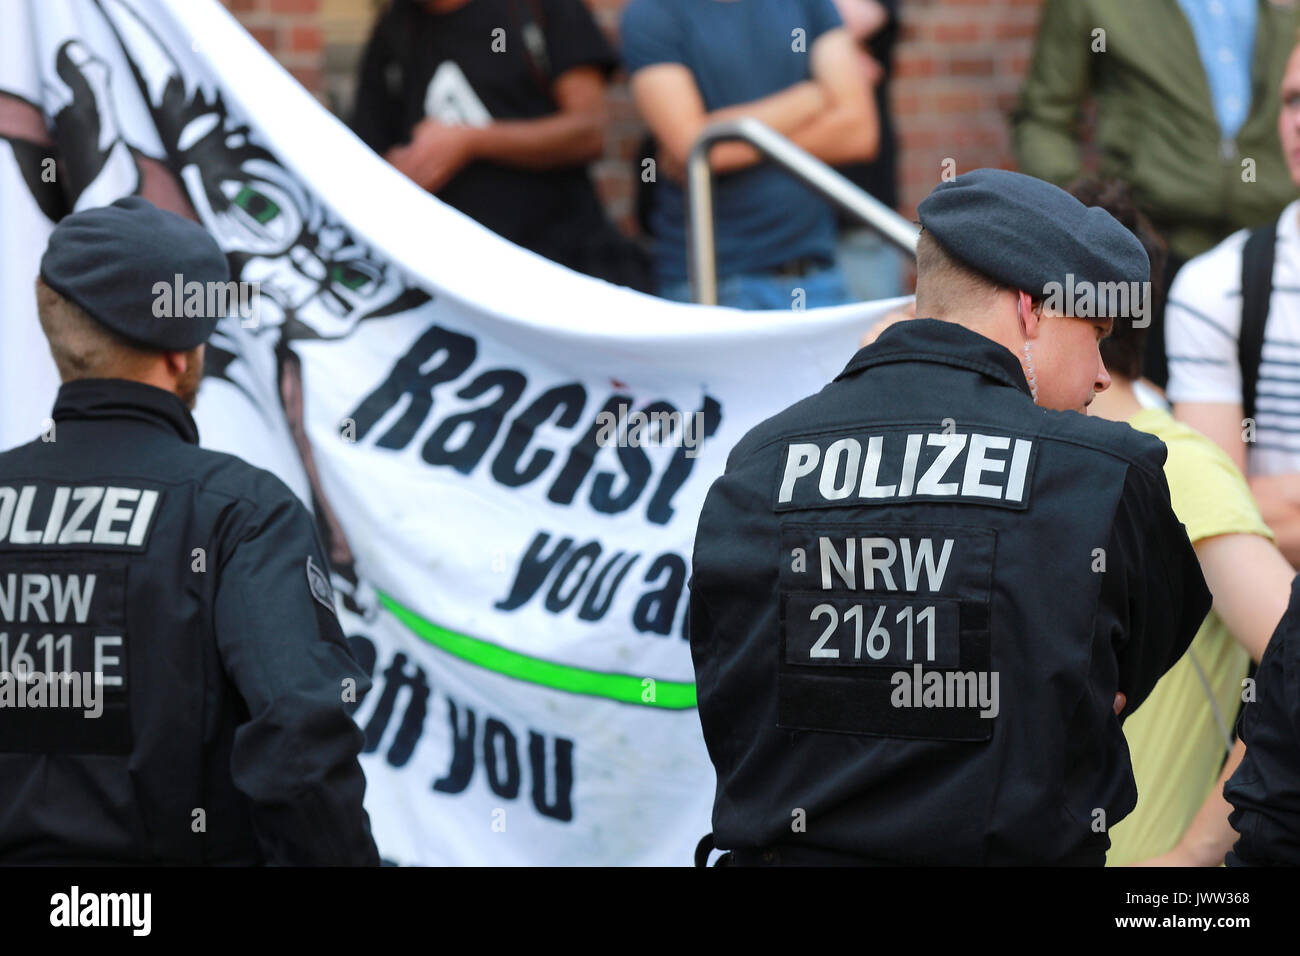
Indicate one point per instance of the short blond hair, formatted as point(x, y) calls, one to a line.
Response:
point(80, 346)
point(944, 284)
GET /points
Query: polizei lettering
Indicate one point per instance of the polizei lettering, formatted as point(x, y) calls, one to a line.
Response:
point(553, 437)
point(898, 466)
point(94, 515)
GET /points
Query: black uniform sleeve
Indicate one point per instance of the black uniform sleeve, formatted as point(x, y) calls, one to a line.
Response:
point(573, 38)
point(1153, 596)
point(377, 110)
point(296, 756)
point(1265, 790)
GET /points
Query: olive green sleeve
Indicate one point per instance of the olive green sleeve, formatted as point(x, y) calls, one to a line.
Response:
point(1043, 124)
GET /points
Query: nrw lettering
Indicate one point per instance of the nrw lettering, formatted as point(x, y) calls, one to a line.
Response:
point(879, 556)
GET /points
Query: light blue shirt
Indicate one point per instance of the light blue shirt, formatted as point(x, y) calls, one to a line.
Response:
point(1225, 38)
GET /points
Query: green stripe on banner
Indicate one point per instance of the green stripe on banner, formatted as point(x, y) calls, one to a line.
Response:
point(626, 688)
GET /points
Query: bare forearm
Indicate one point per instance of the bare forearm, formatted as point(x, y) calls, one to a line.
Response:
point(1251, 583)
point(840, 136)
point(1281, 512)
point(785, 111)
point(835, 135)
point(551, 142)
point(1210, 836)
point(1288, 539)
point(848, 130)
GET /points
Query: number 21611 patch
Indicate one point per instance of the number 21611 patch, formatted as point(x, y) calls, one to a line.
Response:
point(847, 631)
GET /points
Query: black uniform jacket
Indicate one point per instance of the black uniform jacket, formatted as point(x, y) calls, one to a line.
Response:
point(915, 595)
point(194, 586)
point(1265, 789)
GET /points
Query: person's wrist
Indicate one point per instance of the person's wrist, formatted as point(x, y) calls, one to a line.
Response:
point(398, 157)
point(810, 96)
point(472, 142)
point(1199, 852)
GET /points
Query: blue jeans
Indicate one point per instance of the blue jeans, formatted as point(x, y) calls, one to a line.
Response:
point(872, 266)
point(767, 290)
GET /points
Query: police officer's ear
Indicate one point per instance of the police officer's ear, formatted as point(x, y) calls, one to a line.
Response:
point(178, 363)
point(183, 371)
point(183, 363)
point(1030, 312)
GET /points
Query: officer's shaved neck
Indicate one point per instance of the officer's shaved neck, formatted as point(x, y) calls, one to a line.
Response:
point(948, 289)
point(84, 349)
point(993, 316)
point(175, 372)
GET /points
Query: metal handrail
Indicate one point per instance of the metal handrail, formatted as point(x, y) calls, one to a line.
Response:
point(702, 267)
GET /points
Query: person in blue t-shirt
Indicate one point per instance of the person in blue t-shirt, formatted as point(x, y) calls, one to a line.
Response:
point(788, 63)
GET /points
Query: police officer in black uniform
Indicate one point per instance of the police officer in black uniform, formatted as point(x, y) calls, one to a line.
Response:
point(183, 592)
point(921, 596)
point(1265, 788)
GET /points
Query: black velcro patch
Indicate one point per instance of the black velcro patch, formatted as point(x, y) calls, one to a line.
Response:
point(64, 665)
point(885, 630)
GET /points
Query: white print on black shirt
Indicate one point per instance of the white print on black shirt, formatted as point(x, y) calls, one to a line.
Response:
point(450, 99)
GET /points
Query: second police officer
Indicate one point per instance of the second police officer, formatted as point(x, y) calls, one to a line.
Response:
point(187, 585)
point(921, 596)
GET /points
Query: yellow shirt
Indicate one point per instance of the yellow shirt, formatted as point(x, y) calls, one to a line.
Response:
point(1175, 739)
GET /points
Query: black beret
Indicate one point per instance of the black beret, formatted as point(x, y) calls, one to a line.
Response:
point(1027, 233)
point(110, 261)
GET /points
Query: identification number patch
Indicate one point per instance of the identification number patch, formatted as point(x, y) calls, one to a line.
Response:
point(847, 632)
point(879, 623)
point(64, 675)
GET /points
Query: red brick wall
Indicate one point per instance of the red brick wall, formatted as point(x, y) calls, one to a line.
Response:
point(959, 65)
point(291, 31)
point(958, 69)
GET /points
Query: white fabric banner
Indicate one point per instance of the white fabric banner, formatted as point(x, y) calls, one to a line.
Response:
point(507, 458)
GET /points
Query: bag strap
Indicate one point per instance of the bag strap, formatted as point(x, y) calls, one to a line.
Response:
point(1256, 290)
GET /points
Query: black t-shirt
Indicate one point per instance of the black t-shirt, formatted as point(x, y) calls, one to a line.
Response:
point(452, 66)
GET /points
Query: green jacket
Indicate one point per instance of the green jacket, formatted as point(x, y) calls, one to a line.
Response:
point(1155, 125)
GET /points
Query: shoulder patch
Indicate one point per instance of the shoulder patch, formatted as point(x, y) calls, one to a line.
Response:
point(318, 582)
